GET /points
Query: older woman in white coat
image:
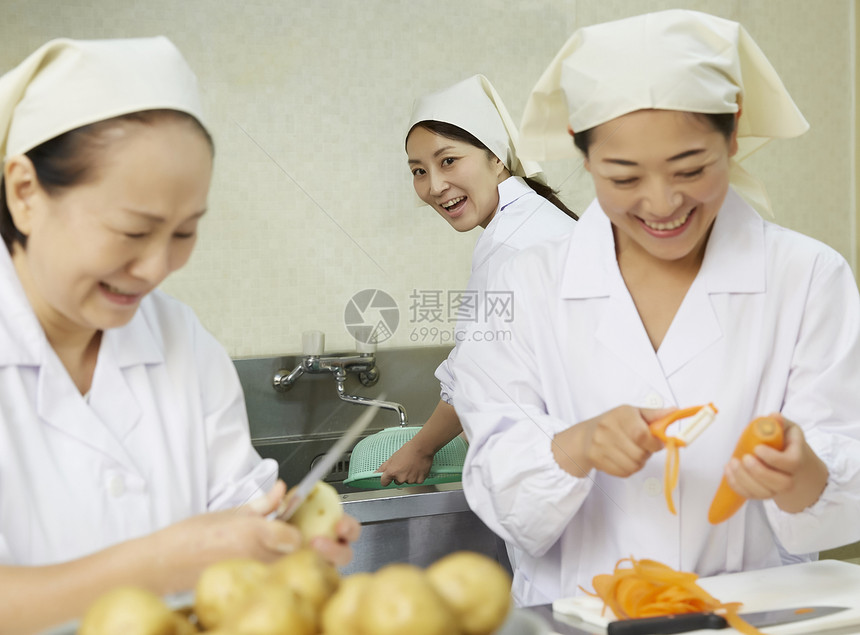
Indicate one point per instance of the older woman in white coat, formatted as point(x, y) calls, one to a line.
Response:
point(462, 152)
point(671, 292)
point(121, 418)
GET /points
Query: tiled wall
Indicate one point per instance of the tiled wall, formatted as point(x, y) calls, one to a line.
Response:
point(312, 199)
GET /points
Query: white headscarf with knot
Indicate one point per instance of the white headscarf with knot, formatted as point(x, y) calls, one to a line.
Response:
point(475, 106)
point(669, 60)
point(66, 84)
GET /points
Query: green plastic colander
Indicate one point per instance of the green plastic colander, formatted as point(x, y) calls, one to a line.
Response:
point(371, 452)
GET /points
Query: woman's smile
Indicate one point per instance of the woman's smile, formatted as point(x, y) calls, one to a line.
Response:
point(118, 296)
point(670, 228)
point(454, 207)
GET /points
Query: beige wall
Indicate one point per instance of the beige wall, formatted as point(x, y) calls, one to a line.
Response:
point(312, 199)
point(855, 56)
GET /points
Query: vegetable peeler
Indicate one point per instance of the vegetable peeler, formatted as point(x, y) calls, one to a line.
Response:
point(700, 418)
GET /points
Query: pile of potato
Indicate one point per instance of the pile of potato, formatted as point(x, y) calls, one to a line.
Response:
point(465, 593)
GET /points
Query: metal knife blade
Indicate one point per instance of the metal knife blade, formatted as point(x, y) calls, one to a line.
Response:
point(296, 496)
point(685, 622)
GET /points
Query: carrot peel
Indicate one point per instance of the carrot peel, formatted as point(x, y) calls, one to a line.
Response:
point(674, 443)
point(647, 588)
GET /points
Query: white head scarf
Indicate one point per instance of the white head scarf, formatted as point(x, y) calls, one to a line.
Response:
point(66, 84)
point(475, 106)
point(670, 60)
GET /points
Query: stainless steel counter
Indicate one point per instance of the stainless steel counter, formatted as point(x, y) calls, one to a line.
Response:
point(418, 525)
point(371, 506)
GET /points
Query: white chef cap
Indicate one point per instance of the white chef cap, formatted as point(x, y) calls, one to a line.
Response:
point(66, 84)
point(475, 106)
point(670, 60)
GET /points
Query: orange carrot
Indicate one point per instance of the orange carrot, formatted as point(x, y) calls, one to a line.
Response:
point(767, 430)
point(648, 588)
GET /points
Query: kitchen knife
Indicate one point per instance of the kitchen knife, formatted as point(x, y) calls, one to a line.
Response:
point(296, 496)
point(685, 622)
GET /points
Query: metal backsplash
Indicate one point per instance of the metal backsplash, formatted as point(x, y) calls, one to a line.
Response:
point(311, 407)
point(294, 427)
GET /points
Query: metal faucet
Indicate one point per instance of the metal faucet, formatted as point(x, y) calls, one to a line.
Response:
point(314, 362)
point(362, 363)
point(340, 377)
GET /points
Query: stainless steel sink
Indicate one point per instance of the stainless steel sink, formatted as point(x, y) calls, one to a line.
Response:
point(409, 524)
point(415, 524)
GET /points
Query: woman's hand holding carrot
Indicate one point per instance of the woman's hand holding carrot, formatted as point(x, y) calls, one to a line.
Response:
point(794, 477)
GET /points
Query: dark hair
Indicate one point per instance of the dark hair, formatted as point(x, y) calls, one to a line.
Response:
point(456, 133)
point(723, 122)
point(72, 159)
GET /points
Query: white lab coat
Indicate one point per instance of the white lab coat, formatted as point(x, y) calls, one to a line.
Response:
point(162, 435)
point(522, 219)
point(771, 323)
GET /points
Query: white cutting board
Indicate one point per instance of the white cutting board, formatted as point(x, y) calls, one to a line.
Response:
point(825, 582)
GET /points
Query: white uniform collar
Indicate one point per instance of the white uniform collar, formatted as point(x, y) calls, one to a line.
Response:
point(734, 259)
point(20, 331)
point(510, 190)
point(23, 341)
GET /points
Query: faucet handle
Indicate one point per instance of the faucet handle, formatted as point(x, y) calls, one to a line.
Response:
point(313, 343)
point(365, 347)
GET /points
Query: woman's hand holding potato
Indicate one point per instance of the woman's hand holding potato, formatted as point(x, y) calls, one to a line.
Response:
point(181, 551)
point(324, 526)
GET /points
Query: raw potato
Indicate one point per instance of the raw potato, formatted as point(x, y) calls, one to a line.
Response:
point(128, 611)
point(183, 625)
point(319, 513)
point(306, 574)
point(476, 587)
point(224, 586)
point(340, 614)
point(272, 610)
point(399, 599)
point(465, 593)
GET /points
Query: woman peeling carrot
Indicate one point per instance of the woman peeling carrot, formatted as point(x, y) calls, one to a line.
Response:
point(671, 292)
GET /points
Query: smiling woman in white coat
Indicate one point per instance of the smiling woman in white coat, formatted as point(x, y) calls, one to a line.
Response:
point(672, 291)
point(122, 421)
point(462, 152)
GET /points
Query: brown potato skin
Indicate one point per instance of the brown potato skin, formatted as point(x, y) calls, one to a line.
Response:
point(224, 586)
point(128, 611)
point(340, 614)
point(399, 599)
point(476, 587)
point(307, 575)
point(272, 610)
